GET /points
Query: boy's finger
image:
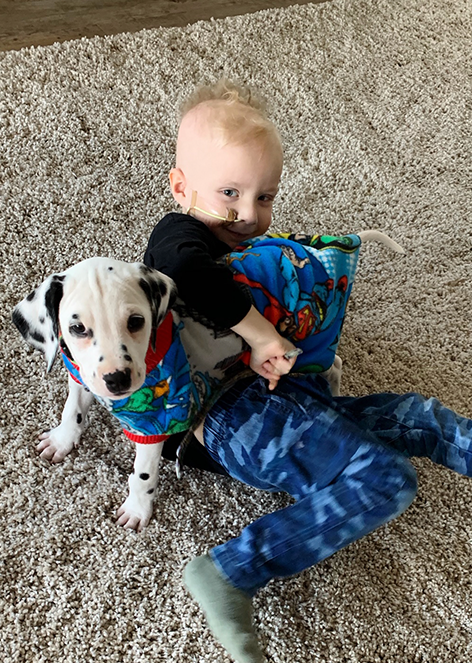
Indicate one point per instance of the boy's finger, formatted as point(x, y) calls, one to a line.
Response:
point(282, 366)
point(272, 370)
point(266, 372)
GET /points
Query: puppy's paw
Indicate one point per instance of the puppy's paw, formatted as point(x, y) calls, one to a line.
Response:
point(135, 513)
point(55, 444)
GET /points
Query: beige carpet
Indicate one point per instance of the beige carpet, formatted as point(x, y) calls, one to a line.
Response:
point(373, 99)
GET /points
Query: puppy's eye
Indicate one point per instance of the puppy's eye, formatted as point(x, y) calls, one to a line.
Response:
point(135, 323)
point(78, 329)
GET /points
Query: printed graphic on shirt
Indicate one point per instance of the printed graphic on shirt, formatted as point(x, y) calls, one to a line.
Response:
point(305, 294)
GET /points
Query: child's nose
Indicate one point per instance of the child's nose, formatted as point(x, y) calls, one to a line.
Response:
point(247, 213)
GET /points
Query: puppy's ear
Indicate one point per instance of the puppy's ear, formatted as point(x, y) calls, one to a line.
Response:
point(37, 317)
point(161, 293)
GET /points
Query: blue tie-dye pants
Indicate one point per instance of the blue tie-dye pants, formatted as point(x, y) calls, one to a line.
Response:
point(344, 460)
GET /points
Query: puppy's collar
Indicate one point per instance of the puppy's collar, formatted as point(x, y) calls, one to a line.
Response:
point(164, 334)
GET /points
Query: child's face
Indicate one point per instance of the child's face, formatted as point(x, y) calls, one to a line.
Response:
point(243, 178)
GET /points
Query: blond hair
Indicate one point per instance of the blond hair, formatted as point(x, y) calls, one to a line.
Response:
point(235, 114)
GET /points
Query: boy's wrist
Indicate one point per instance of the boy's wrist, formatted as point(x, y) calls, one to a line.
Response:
point(256, 330)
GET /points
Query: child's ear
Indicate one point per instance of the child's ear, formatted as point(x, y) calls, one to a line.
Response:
point(178, 186)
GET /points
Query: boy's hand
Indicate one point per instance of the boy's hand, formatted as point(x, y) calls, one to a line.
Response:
point(268, 348)
point(270, 360)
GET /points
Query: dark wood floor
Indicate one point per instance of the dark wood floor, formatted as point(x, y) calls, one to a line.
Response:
point(41, 22)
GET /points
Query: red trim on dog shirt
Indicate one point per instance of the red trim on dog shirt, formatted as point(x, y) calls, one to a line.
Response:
point(145, 439)
point(76, 379)
point(163, 343)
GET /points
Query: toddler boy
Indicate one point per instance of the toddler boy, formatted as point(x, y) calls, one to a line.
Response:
point(343, 460)
point(228, 167)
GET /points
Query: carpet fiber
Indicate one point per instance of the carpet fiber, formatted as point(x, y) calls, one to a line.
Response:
point(373, 101)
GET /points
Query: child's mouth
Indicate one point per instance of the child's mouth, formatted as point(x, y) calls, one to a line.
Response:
point(239, 237)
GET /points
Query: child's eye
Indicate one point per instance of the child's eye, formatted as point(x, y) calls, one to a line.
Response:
point(231, 193)
point(265, 198)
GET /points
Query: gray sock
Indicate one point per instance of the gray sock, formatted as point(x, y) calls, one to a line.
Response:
point(228, 610)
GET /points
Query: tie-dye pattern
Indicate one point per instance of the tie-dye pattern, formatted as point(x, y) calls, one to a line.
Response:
point(344, 460)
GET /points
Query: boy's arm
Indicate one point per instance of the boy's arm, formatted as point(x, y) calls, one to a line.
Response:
point(184, 249)
point(268, 347)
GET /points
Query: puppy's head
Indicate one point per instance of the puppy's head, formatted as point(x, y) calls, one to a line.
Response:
point(107, 312)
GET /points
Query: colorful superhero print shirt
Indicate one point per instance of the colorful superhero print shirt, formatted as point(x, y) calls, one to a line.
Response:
point(300, 283)
point(305, 292)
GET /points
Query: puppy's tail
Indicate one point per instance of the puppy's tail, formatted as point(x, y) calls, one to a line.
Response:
point(377, 236)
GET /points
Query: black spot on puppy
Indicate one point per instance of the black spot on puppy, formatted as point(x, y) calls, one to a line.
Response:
point(36, 336)
point(144, 476)
point(150, 492)
point(151, 292)
point(110, 269)
point(79, 418)
point(31, 296)
point(52, 301)
point(41, 320)
point(128, 358)
point(162, 288)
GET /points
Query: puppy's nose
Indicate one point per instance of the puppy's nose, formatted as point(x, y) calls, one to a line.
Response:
point(119, 381)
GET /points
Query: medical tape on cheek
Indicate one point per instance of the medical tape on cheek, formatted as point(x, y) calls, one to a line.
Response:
point(231, 214)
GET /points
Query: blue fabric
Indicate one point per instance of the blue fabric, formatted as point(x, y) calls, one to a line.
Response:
point(167, 401)
point(344, 460)
point(301, 283)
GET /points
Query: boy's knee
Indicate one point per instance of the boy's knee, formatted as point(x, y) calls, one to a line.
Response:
point(389, 480)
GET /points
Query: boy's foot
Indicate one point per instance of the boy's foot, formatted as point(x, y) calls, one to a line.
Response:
point(228, 610)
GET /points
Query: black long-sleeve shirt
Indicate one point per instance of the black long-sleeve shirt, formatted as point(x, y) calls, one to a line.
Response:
point(185, 249)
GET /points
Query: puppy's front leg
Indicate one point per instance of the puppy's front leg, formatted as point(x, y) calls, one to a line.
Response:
point(55, 444)
point(135, 512)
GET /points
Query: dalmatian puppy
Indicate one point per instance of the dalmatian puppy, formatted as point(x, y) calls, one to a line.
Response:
point(104, 314)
